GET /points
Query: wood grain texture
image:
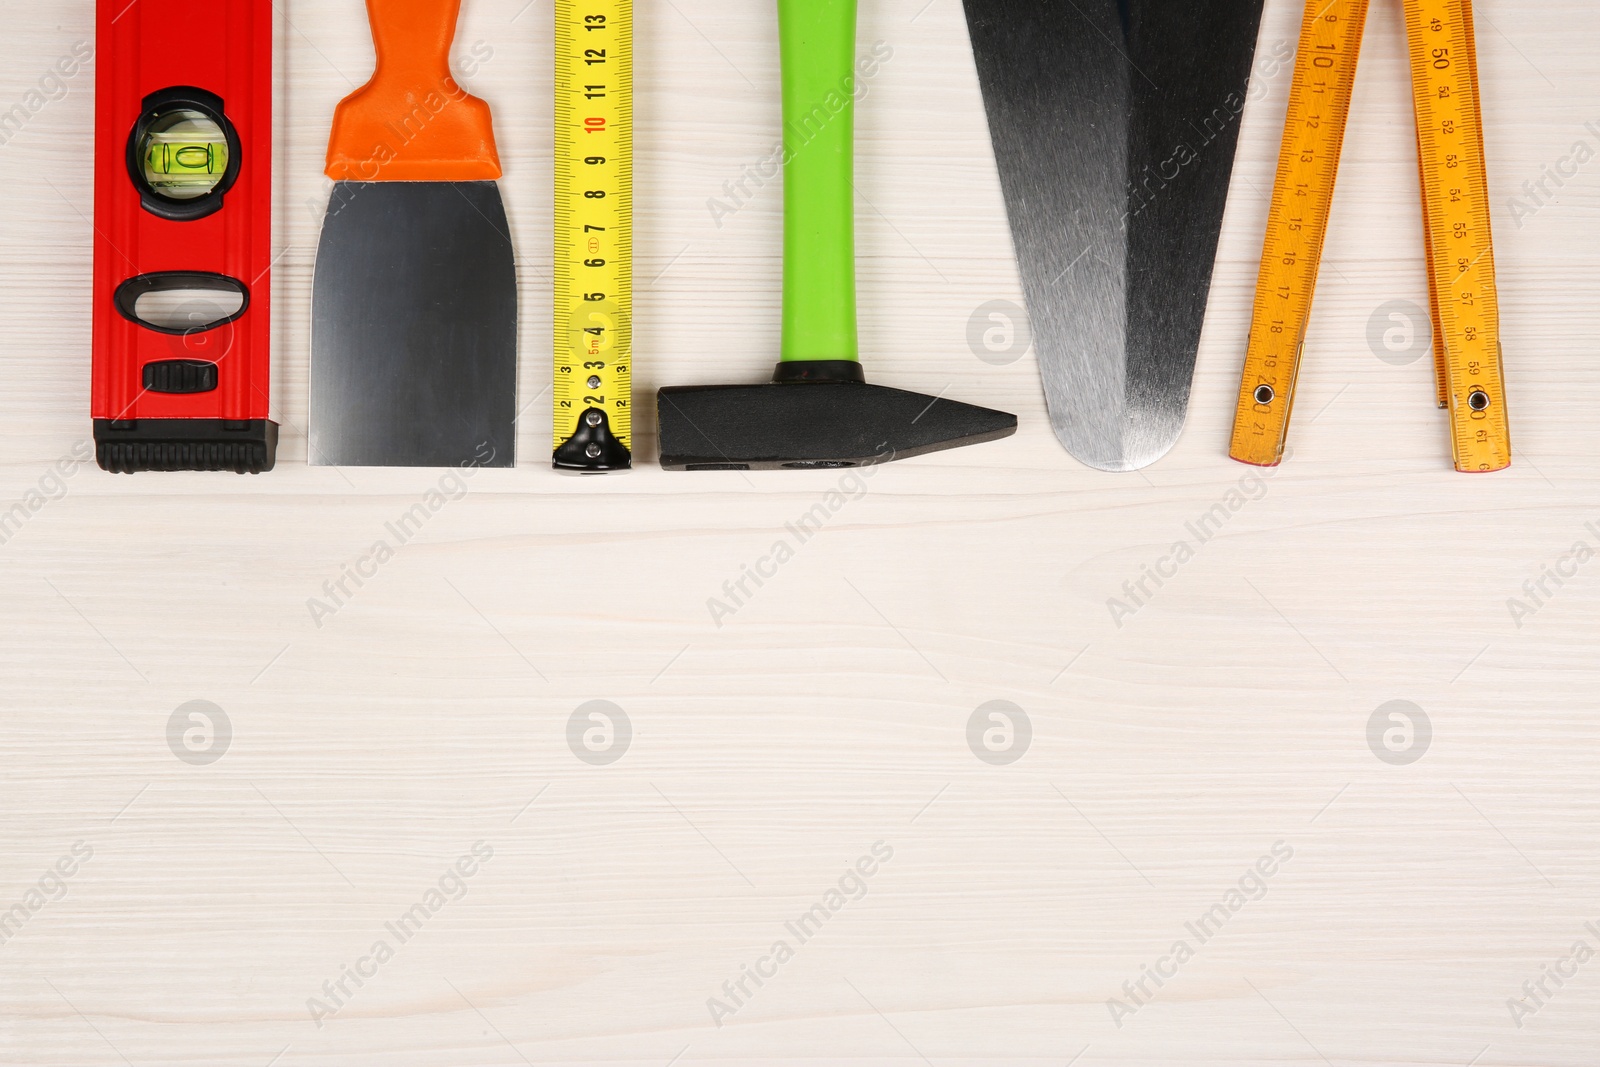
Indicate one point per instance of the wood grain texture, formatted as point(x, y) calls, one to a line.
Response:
point(373, 747)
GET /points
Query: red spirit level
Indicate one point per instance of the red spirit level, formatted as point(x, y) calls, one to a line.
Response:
point(183, 236)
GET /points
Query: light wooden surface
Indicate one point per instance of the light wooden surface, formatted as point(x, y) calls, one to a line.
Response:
point(830, 711)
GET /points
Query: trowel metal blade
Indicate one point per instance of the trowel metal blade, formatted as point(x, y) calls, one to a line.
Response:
point(1114, 127)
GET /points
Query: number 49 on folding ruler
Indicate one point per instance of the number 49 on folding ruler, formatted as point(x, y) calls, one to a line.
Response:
point(593, 387)
point(1456, 216)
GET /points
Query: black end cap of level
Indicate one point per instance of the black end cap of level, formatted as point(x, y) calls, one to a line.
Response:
point(128, 446)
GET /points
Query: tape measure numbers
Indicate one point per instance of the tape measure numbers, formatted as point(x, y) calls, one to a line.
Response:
point(1455, 198)
point(1465, 297)
point(1302, 197)
point(593, 385)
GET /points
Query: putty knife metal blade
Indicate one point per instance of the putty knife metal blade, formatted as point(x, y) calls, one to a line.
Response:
point(1114, 125)
point(414, 302)
point(414, 328)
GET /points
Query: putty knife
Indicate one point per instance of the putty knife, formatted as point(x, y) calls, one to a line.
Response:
point(1114, 125)
point(414, 303)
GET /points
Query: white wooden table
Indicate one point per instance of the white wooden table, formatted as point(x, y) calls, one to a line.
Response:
point(212, 909)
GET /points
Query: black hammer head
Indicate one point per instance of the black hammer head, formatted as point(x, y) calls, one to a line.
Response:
point(813, 416)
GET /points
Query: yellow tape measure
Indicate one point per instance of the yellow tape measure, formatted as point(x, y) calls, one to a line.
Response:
point(1455, 198)
point(593, 386)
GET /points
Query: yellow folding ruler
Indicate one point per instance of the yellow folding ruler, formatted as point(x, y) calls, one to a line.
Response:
point(1455, 201)
point(593, 387)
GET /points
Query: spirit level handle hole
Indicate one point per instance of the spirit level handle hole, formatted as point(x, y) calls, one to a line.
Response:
point(182, 302)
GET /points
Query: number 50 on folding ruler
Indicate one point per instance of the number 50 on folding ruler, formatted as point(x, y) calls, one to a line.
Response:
point(593, 387)
point(1456, 218)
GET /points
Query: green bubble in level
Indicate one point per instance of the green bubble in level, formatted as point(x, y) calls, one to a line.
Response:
point(185, 155)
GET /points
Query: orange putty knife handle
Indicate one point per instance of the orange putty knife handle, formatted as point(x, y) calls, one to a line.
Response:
point(412, 122)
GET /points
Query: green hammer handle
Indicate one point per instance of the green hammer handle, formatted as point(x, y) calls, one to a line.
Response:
point(818, 40)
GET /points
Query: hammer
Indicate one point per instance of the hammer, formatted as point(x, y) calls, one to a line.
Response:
point(818, 412)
